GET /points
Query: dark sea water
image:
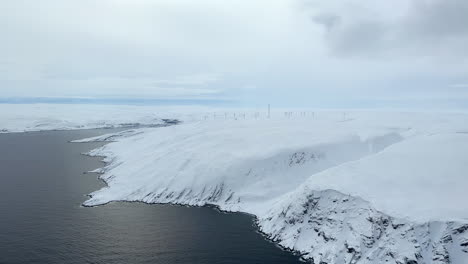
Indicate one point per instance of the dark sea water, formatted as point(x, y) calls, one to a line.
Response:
point(42, 186)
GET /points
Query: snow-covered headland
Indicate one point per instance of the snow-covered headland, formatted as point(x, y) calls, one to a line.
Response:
point(365, 187)
point(372, 188)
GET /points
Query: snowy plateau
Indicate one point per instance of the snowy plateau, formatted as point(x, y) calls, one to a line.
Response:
point(365, 187)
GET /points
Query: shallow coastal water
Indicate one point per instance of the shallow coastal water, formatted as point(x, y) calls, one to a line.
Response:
point(42, 186)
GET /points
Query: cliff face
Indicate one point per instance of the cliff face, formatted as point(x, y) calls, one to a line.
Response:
point(330, 227)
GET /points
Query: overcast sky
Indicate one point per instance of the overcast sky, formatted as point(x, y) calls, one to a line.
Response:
point(327, 53)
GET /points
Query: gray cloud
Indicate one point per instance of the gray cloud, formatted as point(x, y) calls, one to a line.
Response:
point(426, 28)
point(359, 37)
point(438, 18)
point(329, 21)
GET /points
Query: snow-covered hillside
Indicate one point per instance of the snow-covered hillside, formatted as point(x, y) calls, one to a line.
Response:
point(38, 117)
point(366, 188)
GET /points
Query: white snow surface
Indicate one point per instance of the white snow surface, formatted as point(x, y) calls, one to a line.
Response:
point(423, 178)
point(38, 117)
point(407, 165)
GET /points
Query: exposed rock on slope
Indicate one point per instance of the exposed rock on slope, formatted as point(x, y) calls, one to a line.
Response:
point(330, 227)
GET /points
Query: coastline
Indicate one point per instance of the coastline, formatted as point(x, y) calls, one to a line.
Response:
point(280, 239)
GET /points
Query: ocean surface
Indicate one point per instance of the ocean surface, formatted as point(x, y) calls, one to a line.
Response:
point(42, 186)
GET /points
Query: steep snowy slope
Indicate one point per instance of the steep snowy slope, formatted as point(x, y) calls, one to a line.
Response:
point(372, 188)
point(419, 186)
point(256, 160)
point(424, 176)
